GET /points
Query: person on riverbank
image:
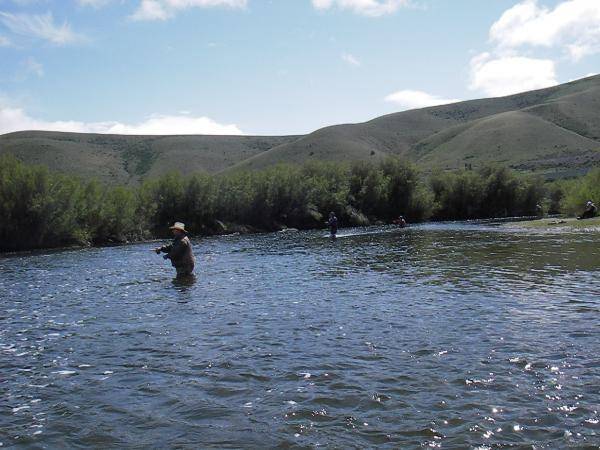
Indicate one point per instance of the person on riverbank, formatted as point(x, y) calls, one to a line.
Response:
point(590, 211)
point(333, 224)
point(179, 251)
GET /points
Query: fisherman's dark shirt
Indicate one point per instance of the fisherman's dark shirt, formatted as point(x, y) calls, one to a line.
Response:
point(180, 252)
point(333, 225)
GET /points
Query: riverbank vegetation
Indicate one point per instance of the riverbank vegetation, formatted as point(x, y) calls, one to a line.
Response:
point(489, 192)
point(575, 193)
point(44, 209)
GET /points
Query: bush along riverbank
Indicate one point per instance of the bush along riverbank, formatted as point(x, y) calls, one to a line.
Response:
point(40, 209)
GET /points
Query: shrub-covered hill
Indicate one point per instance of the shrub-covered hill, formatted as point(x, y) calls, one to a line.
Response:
point(555, 131)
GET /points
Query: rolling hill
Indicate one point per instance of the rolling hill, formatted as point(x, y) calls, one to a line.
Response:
point(551, 130)
point(124, 159)
point(555, 131)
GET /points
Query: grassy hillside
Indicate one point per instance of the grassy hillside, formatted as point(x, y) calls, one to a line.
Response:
point(555, 131)
point(515, 138)
point(127, 159)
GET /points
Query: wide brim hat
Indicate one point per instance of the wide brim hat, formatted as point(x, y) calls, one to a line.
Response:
point(178, 226)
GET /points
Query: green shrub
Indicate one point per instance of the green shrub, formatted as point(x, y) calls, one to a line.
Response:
point(578, 192)
point(42, 209)
point(489, 192)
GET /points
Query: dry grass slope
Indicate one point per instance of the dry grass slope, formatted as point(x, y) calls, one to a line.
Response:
point(549, 130)
point(554, 131)
point(128, 159)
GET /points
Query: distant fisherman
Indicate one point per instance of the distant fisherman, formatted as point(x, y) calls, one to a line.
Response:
point(180, 251)
point(333, 224)
point(539, 211)
point(400, 221)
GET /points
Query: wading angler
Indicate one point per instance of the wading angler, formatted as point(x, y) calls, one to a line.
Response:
point(179, 251)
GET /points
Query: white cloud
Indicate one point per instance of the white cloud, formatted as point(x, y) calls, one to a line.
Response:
point(180, 124)
point(150, 10)
point(94, 3)
point(4, 41)
point(350, 59)
point(40, 27)
point(372, 8)
point(26, 2)
point(409, 99)
point(31, 67)
point(509, 75)
point(16, 119)
point(165, 9)
point(573, 25)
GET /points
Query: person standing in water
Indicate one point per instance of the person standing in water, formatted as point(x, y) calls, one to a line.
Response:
point(179, 251)
point(400, 221)
point(333, 224)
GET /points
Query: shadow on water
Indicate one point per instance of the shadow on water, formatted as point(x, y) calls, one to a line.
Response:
point(184, 284)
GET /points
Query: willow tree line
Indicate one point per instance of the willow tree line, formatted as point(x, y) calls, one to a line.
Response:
point(40, 209)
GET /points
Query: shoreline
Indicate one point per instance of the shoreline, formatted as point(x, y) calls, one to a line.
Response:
point(232, 230)
point(514, 223)
point(557, 224)
point(243, 230)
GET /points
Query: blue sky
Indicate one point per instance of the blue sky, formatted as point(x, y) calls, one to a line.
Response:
point(275, 67)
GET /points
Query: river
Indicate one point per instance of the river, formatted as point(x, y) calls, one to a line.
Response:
point(439, 335)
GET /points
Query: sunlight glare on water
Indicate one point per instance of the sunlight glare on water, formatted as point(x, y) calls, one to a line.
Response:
point(445, 335)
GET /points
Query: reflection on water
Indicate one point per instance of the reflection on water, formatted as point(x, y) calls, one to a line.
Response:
point(441, 335)
point(185, 283)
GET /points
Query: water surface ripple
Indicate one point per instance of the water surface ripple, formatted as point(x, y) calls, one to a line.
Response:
point(449, 335)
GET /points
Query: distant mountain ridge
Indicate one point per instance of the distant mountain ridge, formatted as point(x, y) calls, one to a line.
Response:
point(554, 131)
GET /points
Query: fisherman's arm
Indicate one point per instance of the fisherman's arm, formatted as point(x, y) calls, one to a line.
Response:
point(164, 249)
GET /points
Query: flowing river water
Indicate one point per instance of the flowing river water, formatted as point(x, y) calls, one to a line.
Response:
point(440, 335)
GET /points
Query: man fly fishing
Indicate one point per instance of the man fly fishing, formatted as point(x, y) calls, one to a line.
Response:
point(333, 224)
point(179, 251)
point(400, 221)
